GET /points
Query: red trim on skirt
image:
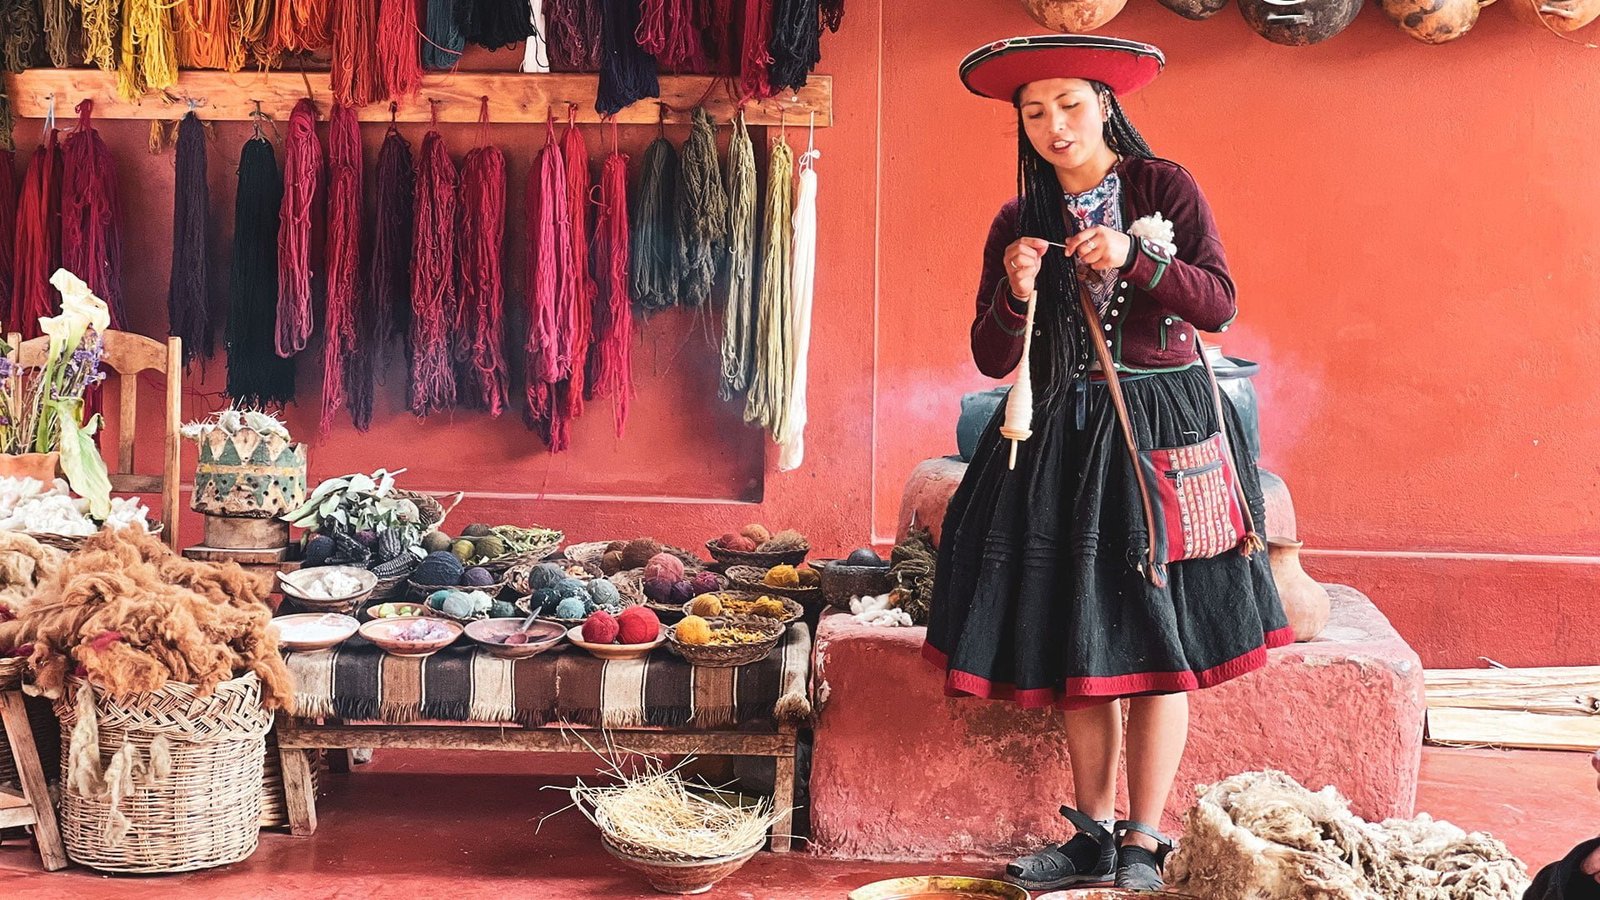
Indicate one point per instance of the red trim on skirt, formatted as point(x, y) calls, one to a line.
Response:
point(1079, 693)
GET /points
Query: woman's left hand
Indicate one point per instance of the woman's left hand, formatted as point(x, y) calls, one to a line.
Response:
point(1100, 247)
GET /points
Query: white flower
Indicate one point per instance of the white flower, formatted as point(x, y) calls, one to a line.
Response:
point(80, 311)
point(1154, 229)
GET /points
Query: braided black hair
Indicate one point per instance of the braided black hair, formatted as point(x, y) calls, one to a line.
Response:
point(1060, 323)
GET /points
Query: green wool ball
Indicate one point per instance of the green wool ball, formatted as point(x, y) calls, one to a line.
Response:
point(570, 608)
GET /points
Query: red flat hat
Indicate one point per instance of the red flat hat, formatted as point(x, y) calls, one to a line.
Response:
point(997, 70)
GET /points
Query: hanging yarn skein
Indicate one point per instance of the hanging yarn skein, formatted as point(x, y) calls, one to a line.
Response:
point(257, 375)
point(433, 277)
point(102, 23)
point(791, 439)
point(832, 13)
point(612, 374)
point(574, 35)
point(443, 42)
point(8, 230)
point(91, 239)
point(702, 211)
point(353, 71)
point(796, 43)
point(188, 296)
point(578, 287)
point(738, 327)
point(302, 177)
point(653, 245)
point(207, 36)
point(7, 139)
point(482, 380)
point(300, 26)
point(37, 252)
point(149, 60)
point(386, 303)
point(495, 24)
point(668, 31)
point(344, 257)
point(536, 53)
point(756, 54)
point(399, 62)
point(547, 254)
point(21, 35)
point(60, 20)
point(723, 45)
point(252, 19)
point(768, 399)
point(627, 73)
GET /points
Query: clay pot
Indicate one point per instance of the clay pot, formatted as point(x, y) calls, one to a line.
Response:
point(1435, 21)
point(1073, 16)
point(42, 466)
point(1195, 9)
point(1561, 15)
point(1305, 602)
point(1296, 24)
point(1280, 521)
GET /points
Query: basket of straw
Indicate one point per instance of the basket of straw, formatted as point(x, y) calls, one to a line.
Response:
point(727, 641)
point(524, 546)
point(681, 841)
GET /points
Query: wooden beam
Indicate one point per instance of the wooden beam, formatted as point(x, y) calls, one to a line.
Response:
point(513, 97)
point(296, 733)
point(1509, 728)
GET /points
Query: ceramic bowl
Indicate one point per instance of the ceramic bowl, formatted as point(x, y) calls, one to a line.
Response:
point(616, 651)
point(385, 633)
point(310, 632)
point(490, 633)
point(302, 585)
point(395, 609)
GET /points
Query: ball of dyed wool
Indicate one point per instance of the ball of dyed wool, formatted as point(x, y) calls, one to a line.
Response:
point(737, 542)
point(781, 576)
point(442, 567)
point(706, 605)
point(604, 593)
point(545, 575)
point(544, 599)
point(571, 587)
point(436, 599)
point(682, 592)
point(659, 589)
point(616, 546)
point(477, 576)
point(769, 608)
point(638, 553)
point(457, 605)
point(569, 608)
point(664, 565)
point(611, 562)
point(756, 533)
point(809, 577)
point(638, 625)
point(501, 609)
point(600, 628)
point(693, 630)
point(704, 583)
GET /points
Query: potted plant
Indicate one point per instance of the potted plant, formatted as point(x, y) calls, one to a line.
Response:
point(42, 428)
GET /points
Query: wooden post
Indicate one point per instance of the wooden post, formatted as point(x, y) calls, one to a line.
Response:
point(19, 733)
point(783, 793)
point(299, 791)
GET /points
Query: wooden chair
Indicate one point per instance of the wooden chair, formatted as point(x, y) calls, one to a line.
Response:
point(32, 805)
point(127, 355)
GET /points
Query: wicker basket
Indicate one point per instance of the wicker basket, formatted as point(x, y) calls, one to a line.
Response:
point(841, 583)
point(748, 578)
point(755, 557)
point(431, 510)
point(205, 812)
point(630, 582)
point(11, 669)
point(792, 609)
point(718, 656)
point(689, 876)
point(516, 577)
point(590, 552)
point(541, 551)
point(274, 802)
point(71, 542)
point(419, 593)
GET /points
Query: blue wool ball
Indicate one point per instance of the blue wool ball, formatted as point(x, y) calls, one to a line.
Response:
point(458, 605)
point(604, 593)
point(502, 610)
point(437, 598)
point(570, 608)
point(572, 587)
point(545, 575)
point(544, 599)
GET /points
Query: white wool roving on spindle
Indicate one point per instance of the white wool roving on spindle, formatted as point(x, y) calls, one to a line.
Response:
point(1018, 423)
point(802, 278)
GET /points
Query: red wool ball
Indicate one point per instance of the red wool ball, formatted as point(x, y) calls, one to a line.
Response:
point(601, 628)
point(639, 625)
point(737, 542)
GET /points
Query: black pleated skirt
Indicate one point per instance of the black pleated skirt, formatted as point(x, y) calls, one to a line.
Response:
point(1038, 596)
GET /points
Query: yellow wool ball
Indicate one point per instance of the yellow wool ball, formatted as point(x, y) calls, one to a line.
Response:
point(693, 630)
point(782, 576)
point(769, 608)
point(706, 605)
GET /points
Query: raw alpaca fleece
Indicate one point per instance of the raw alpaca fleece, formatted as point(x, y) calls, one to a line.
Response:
point(24, 565)
point(1261, 836)
point(134, 616)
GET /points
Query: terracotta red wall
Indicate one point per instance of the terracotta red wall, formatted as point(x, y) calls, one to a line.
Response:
point(1410, 228)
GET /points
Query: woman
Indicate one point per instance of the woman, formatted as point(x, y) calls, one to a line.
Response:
point(1575, 878)
point(1053, 585)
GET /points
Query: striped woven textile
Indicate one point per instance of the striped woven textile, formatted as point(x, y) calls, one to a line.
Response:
point(357, 681)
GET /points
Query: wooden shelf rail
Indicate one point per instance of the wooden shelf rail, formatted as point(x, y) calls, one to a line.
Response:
point(513, 97)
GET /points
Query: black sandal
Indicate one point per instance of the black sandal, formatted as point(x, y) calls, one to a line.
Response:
point(1088, 859)
point(1137, 868)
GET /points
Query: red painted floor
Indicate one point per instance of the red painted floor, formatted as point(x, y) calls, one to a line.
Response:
point(467, 825)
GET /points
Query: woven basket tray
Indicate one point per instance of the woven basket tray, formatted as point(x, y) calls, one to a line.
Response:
point(756, 558)
point(791, 607)
point(748, 578)
point(432, 511)
point(591, 551)
point(630, 582)
point(516, 577)
point(840, 582)
point(727, 655)
point(206, 812)
point(419, 593)
point(499, 565)
point(394, 586)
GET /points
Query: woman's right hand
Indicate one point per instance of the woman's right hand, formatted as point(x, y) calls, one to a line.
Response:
point(1022, 259)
